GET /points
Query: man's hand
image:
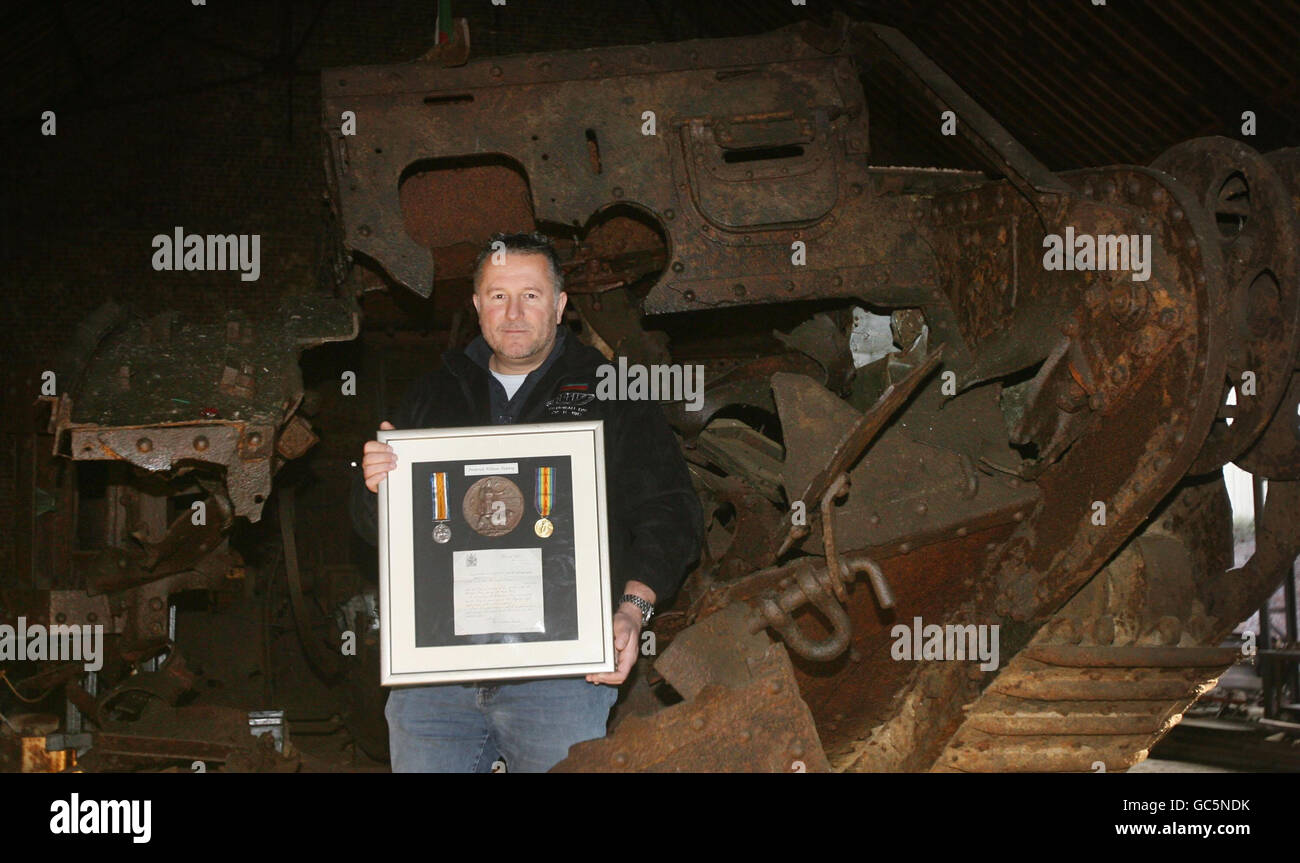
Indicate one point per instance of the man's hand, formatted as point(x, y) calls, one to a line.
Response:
point(627, 636)
point(377, 459)
point(627, 643)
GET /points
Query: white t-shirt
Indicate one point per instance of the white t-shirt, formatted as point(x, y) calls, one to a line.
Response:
point(512, 383)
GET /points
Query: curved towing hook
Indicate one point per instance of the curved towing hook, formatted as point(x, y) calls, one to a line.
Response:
point(813, 583)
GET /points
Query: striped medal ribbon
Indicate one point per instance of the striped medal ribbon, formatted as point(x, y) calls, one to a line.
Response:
point(544, 498)
point(438, 487)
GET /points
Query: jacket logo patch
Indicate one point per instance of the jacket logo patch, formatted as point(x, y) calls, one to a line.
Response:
point(571, 402)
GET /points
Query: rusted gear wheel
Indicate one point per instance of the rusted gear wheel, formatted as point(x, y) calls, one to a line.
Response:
point(1258, 234)
point(1276, 455)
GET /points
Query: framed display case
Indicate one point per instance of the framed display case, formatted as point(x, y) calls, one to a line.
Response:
point(493, 554)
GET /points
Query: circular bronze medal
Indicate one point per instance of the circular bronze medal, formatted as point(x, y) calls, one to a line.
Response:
point(493, 506)
point(543, 528)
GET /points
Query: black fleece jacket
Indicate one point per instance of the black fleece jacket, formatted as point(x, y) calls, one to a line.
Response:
point(655, 522)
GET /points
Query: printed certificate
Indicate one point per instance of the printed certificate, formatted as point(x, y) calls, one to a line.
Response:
point(498, 591)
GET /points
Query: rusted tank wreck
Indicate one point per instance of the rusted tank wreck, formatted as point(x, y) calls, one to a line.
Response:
point(1033, 447)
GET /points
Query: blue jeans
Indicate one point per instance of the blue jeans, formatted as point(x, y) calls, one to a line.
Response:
point(465, 728)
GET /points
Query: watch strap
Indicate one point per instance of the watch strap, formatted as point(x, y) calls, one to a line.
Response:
point(647, 610)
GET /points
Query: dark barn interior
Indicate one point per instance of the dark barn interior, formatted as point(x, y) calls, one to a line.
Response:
point(135, 396)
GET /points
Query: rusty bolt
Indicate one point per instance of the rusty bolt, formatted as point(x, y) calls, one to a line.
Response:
point(1171, 629)
point(1158, 196)
point(837, 280)
point(1119, 374)
point(905, 548)
point(156, 629)
point(495, 71)
point(92, 617)
point(697, 723)
point(796, 748)
point(1063, 630)
point(921, 508)
point(618, 191)
point(200, 443)
point(689, 295)
point(620, 759)
point(156, 604)
point(1170, 317)
point(144, 444)
point(60, 617)
point(678, 266)
point(1018, 515)
point(746, 735)
point(738, 290)
point(962, 531)
point(789, 285)
point(363, 230)
point(1097, 401)
point(873, 519)
point(855, 188)
point(255, 439)
point(670, 214)
point(1103, 631)
point(774, 686)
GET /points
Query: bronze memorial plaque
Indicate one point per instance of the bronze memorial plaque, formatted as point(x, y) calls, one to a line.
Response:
point(493, 506)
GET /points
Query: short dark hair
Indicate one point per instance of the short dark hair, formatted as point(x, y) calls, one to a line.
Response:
point(535, 243)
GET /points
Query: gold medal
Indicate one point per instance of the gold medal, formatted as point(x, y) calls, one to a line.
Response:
point(493, 506)
point(544, 497)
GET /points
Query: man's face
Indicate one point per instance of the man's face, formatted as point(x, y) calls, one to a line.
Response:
point(517, 311)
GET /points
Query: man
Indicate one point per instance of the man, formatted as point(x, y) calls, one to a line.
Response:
point(526, 367)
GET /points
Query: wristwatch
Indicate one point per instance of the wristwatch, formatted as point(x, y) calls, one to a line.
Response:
point(647, 610)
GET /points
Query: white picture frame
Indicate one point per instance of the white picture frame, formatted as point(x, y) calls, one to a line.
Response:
point(529, 608)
